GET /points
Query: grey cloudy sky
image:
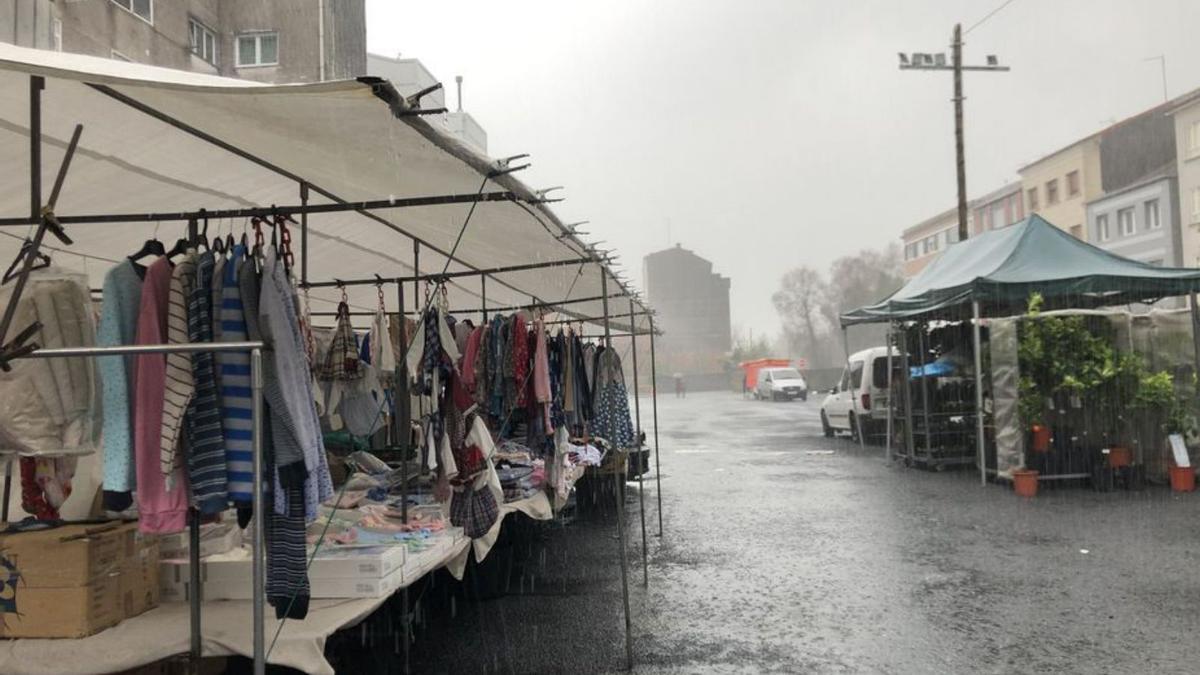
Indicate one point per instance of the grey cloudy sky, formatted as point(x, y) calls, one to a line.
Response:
point(770, 134)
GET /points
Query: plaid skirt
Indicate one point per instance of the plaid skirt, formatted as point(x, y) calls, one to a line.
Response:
point(475, 511)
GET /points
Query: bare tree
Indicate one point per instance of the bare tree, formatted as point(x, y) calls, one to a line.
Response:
point(799, 304)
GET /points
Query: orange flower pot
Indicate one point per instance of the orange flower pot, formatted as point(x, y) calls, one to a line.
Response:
point(1119, 456)
point(1183, 478)
point(1025, 482)
point(1041, 438)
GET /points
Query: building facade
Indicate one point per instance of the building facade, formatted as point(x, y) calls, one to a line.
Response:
point(692, 303)
point(1186, 121)
point(1140, 221)
point(1058, 186)
point(925, 240)
point(410, 76)
point(263, 40)
point(997, 209)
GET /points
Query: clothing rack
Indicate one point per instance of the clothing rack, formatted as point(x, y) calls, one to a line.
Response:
point(258, 547)
point(42, 215)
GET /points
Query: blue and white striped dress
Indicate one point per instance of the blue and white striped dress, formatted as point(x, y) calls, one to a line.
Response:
point(236, 402)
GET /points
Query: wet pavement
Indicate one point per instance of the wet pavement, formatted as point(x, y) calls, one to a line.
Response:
point(788, 552)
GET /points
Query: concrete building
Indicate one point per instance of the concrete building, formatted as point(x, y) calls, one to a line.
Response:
point(923, 241)
point(1140, 220)
point(411, 76)
point(1185, 117)
point(997, 209)
point(263, 40)
point(692, 303)
point(1058, 186)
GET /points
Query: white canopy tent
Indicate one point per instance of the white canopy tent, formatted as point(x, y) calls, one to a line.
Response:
point(159, 148)
point(157, 140)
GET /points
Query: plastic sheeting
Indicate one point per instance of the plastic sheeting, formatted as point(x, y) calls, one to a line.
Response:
point(1006, 373)
point(150, 143)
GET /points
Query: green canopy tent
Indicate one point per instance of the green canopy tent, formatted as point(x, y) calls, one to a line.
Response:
point(994, 274)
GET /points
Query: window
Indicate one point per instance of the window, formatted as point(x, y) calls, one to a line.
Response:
point(908, 251)
point(1077, 231)
point(879, 371)
point(258, 49)
point(1194, 139)
point(856, 373)
point(1072, 183)
point(1126, 221)
point(1152, 221)
point(143, 9)
point(203, 41)
point(56, 34)
point(1102, 230)
point(952, 235)
point(1033, 203)
point(1052, 192)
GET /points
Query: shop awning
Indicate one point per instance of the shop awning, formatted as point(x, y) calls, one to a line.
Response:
point(1001, 268)
point(157, 140)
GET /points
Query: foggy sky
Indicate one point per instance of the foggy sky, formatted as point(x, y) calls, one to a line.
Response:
point(769, 134)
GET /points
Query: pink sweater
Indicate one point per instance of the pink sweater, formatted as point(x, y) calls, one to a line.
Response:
point(541, 375)
point(160, 511)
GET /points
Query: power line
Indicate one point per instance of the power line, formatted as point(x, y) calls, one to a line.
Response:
point(989, 15)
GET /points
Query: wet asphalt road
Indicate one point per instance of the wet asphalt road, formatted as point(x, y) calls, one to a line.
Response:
point(779, 556)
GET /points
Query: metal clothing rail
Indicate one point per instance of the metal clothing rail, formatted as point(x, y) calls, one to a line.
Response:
point(258, 568)
point(378, 281)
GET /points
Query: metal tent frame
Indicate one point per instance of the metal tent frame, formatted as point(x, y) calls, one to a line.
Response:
point(46, 220)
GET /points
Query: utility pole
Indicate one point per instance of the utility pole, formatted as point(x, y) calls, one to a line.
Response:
point(923, 61)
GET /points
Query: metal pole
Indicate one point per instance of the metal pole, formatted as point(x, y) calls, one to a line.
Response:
point(483, 297)
point(909, 443)
point(959, 146)
point(195, 597)
point(890, 403)
point(403, 413)
point(637, 421)
point(1195, 332)
point(654, 404)
point(304, 235)
point(259, 548)
point(979, 439)
point(618, 481)
point(417, 273)
point(925, 392)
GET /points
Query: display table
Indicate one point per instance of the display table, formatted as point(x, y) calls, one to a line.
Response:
point(225, 628)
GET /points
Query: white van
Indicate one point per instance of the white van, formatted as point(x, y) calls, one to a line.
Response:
point(861, 395)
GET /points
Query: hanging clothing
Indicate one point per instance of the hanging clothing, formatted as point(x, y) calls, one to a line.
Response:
point(237, 413)
point(542, 392)
point(287, 384)
point(612, 421)
point(159, 511)
point(218, 288)
point(520, 359)
point(342, 360)
point(206, 443)
point(118, 326)
point(179, 383)
point(583, 380)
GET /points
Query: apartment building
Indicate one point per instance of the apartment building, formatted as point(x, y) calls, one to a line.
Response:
point(997, 209)
point(1185, 117)
point(263, 40)
point(923, 241)
point(1140, 220)
point(1058, 186)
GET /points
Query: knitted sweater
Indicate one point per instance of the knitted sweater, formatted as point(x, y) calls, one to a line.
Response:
point(118, 326)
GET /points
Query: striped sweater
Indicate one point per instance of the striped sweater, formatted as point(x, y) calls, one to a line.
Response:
point(235, 385)
point(179, 382)
point(206, 444)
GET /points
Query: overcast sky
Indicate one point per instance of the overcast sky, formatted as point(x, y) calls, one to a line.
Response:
point(769, 134)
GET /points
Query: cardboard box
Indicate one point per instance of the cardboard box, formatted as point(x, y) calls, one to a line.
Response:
point(215, 539)
point(71, 555)
point(235, 583)
point(66, 612)
point(76, 580)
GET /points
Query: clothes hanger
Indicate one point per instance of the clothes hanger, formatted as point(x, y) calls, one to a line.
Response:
point(152, 247)
point(181, 246)
point(43, 261)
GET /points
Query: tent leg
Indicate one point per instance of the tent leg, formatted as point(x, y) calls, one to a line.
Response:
point(925, 393)
point(654, 404)
point(891, 407)
point(259, 550)
point(909, 443)
point(1195, 331)
point(637, 426)
point(979, 439)
point(618, 481)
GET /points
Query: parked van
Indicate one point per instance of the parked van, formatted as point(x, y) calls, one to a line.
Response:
point(861, 395)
